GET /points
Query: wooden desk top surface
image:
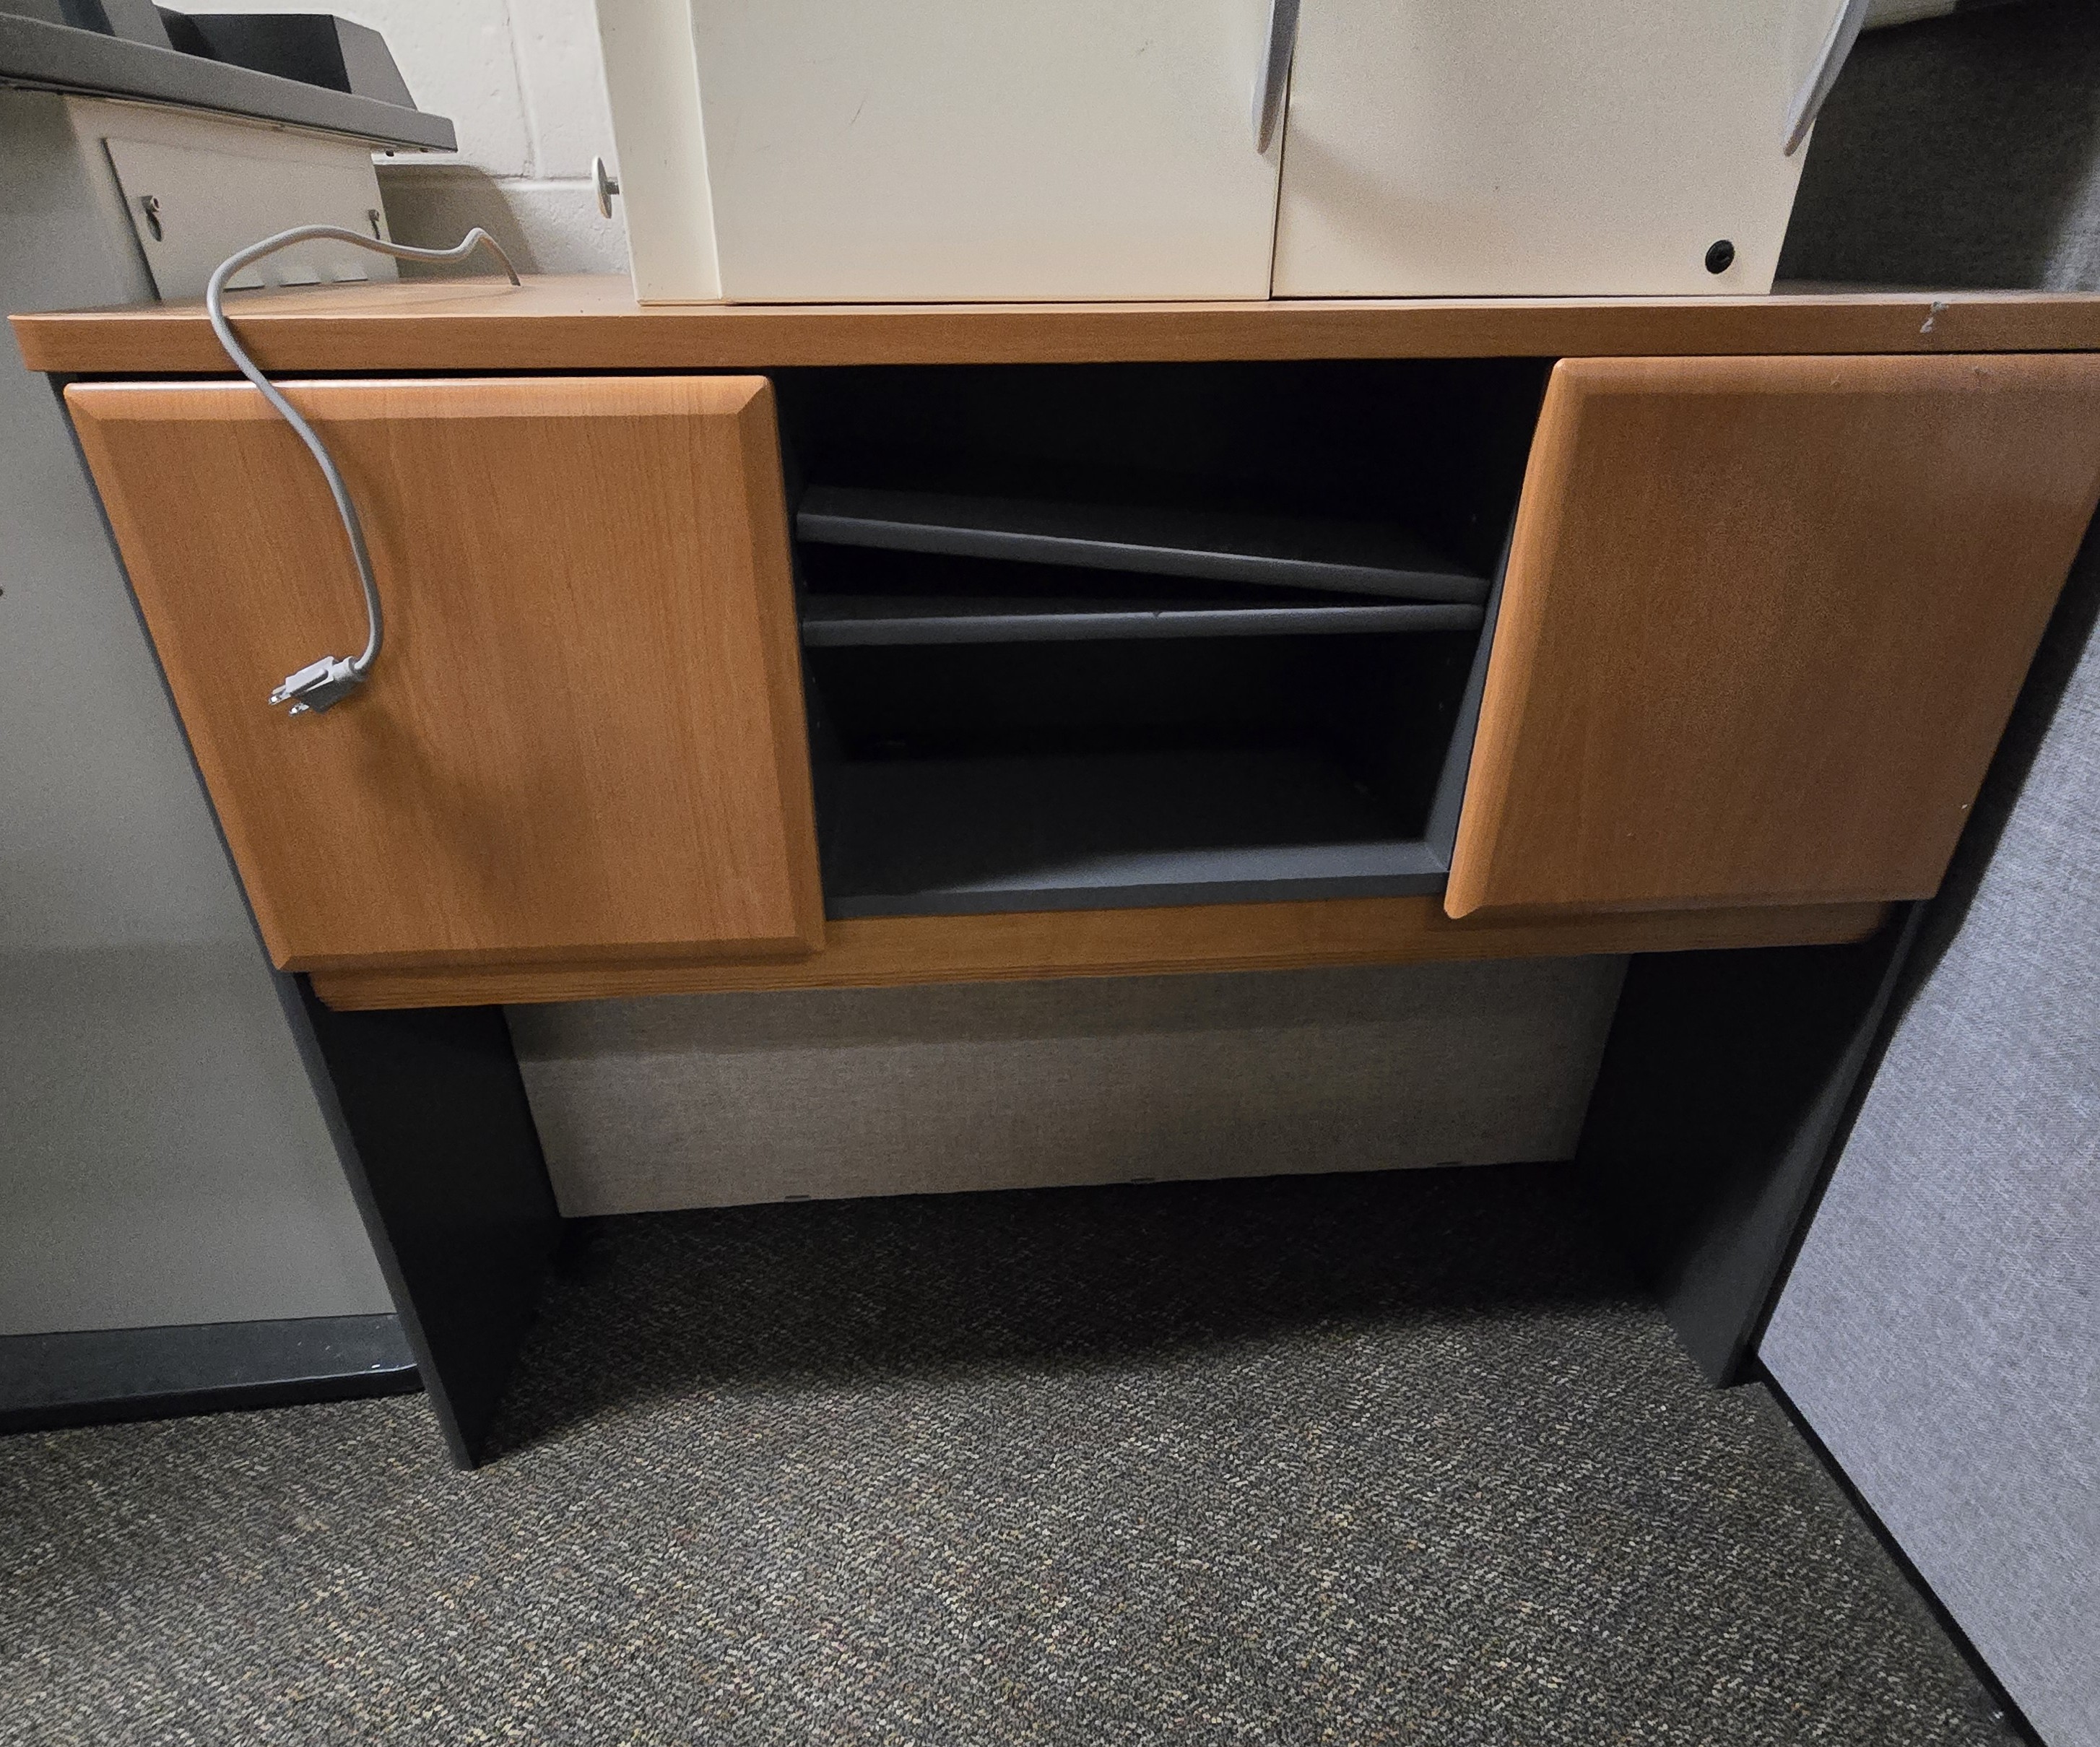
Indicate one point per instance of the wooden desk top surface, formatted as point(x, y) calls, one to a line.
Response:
point(592, 323)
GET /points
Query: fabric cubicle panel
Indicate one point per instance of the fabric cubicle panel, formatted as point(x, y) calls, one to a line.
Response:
point(1940, 1331)
point(718, 1100)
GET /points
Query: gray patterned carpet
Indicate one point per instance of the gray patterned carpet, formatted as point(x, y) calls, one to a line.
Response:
point(1347, 1460)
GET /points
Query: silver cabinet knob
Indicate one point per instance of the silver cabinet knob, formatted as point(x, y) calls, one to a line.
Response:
point(607, 185)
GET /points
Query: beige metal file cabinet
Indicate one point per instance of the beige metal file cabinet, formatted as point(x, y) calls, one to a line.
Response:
point(867, 151)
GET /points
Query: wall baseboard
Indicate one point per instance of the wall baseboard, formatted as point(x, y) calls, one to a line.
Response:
point(96, 1376)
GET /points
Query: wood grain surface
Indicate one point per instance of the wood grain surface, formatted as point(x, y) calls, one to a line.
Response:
point(1763, 622)
point(592, 323)
point(887, 950)
point(584, 733)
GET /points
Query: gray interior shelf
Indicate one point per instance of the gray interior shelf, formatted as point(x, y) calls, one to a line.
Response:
point(839, 621)
point(1218, 545)
point(917, 837)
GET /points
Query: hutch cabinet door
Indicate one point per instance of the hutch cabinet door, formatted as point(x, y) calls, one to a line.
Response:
point(1541, 148)
point(584, 734)
point(934, 150)
point(1762, 623)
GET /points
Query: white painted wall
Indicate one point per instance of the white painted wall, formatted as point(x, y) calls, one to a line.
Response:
point(524, 84)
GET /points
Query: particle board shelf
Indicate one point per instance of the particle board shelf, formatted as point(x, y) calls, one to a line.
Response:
point(591, 322)
point(950, 836)
point(842, 621)
point(1212, 546)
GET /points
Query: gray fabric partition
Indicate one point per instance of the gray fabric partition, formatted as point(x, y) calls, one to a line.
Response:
point(714, 1100)
point(1941, 1327)
point(1963, 152)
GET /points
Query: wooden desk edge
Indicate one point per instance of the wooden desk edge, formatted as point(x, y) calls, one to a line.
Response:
point(586, 322)
point(889, 951)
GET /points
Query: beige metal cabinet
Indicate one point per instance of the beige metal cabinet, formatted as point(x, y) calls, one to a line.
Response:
point(194, 187)
point(1548, 147)
point(911, 150)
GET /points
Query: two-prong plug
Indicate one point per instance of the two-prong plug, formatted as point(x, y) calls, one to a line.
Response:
point(329, 681)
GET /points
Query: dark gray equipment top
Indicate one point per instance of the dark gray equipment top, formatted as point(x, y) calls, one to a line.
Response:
point(121, 48)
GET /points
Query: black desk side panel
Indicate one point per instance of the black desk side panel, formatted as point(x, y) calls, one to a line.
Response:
point(447, 1170)
point(1728, 1084)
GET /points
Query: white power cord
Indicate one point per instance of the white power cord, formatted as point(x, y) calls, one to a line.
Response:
point(328, 681)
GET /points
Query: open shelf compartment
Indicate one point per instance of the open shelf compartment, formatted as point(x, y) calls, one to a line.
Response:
point(1097, 637)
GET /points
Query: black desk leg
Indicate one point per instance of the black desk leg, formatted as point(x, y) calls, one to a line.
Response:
point(1728, 1085)
point(445, 1164)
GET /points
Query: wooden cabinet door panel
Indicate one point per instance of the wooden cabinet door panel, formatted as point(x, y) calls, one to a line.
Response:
point(1762, 623)
point(585, 727)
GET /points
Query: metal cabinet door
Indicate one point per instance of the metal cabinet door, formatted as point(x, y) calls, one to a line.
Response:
point(923, 150)
point(1541, 148)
